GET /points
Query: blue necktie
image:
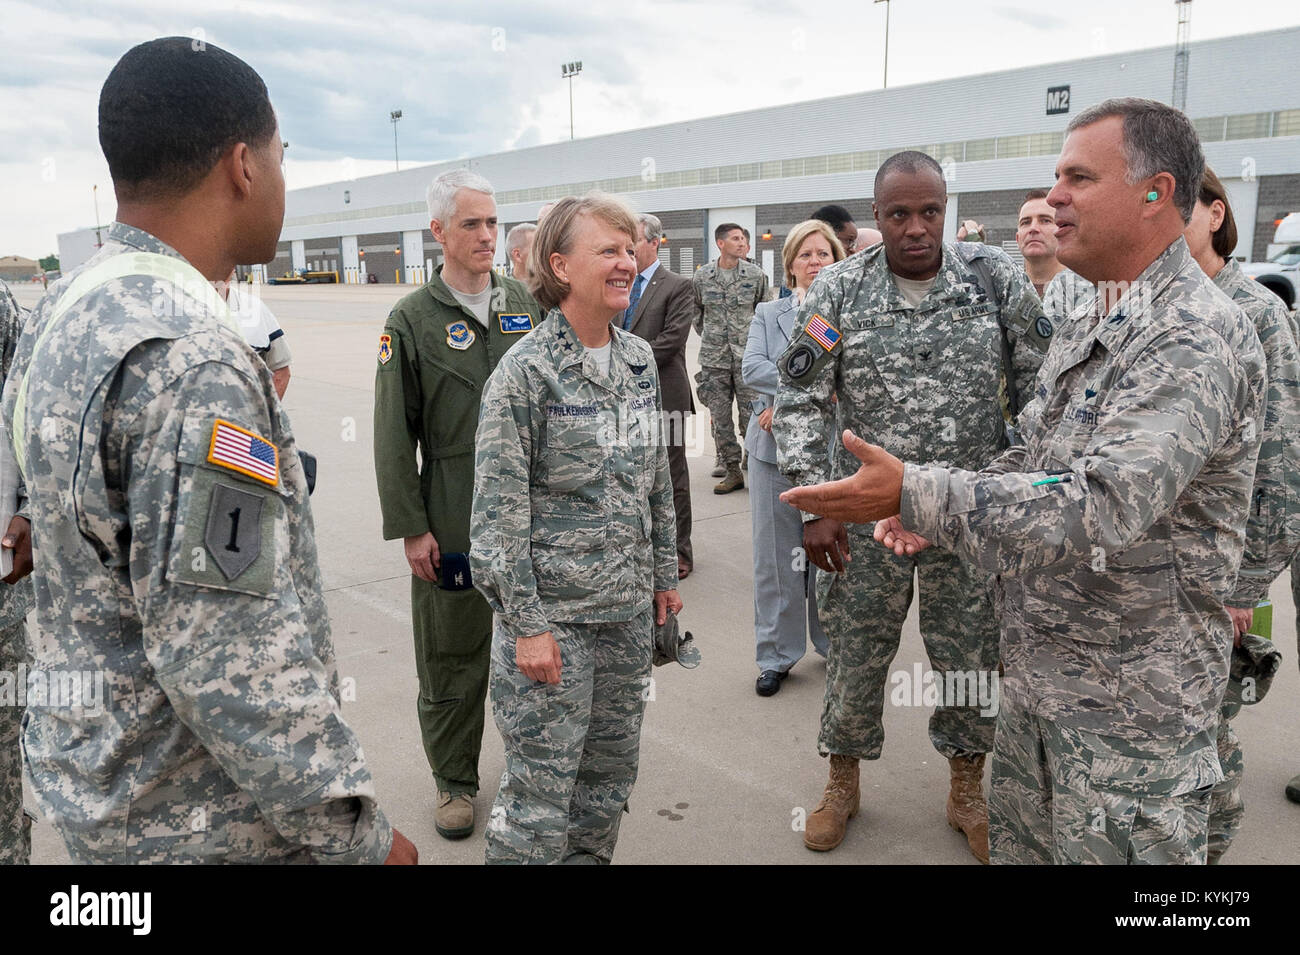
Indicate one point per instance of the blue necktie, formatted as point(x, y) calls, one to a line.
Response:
point(631, 307)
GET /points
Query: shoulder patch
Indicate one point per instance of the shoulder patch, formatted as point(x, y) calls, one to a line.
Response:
point(244, 452)
point(385, 349)
point(799, 362)
point(459, 335)
point(1043, 326)
point(822, 332)
point(515, 324)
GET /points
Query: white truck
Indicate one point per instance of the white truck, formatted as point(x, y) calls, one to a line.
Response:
point(1280, 272)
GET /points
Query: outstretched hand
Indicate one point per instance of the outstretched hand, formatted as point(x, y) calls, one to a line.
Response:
point(894, 536)
point(873, 493)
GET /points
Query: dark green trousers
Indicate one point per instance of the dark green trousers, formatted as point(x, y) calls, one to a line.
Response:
point(453, 638)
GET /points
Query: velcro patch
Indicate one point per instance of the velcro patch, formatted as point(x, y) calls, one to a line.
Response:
point(244, 452)
point(385, 349)
point(233, 534)
point(822, 332)
point(799, 361)
point(515, 324)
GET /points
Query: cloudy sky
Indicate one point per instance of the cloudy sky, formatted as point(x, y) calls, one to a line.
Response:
point(481, 77)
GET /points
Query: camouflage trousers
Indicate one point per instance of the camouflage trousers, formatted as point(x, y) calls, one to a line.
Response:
point(571, 748)
point(862, 612)
point(15, 825)
point(453, 633)
point(1062, 796)
point(718, 389)
point(1227, 808)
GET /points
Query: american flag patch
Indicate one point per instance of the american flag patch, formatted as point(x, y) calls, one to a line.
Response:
point(233, 447)
point(822, 332)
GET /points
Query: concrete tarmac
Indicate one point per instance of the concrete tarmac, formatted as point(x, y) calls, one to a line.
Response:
point(725, 774)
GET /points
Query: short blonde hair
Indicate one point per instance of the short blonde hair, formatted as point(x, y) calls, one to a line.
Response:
point(798, 235)
point(555, 234)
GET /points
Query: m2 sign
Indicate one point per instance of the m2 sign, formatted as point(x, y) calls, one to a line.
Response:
point(1058, 100)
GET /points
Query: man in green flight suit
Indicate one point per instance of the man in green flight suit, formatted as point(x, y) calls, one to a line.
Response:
point(436, 352)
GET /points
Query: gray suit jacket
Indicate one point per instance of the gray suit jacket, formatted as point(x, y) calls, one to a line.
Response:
point(663, 318)
point(769, 334)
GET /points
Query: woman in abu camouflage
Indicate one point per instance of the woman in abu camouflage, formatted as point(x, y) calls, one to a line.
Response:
point(573, 543)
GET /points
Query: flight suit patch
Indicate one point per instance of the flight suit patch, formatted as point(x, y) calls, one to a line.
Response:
point(515, 324)
point(385, 349)
point(459, 335)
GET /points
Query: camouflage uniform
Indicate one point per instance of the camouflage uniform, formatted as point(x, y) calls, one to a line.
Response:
point(926, 384)
point(219, 737)
point(572, 529)
point(15, 602)
point(725, 300)
point(1273, 530)
point(1116, 530)
point(1065, 294)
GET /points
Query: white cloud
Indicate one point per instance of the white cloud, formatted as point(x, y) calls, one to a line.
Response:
point(485, 77)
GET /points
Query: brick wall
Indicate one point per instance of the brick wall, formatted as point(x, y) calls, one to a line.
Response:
point(997, 211)
point(781, 217)
point(1278, 195)
point(381, 257)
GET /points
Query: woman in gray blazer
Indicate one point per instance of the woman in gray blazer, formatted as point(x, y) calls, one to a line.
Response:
point(785, 601)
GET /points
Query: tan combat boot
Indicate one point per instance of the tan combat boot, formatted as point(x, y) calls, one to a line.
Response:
point(733, 481)
point(454, 817)
point(828, 822)
point(968, 813)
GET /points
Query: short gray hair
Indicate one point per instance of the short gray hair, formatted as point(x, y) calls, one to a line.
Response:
point(442, 191)
point(1157, 138)
point(516, 236)
point(654, 229)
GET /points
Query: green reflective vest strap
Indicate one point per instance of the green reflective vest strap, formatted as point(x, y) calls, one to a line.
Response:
point(184, 278)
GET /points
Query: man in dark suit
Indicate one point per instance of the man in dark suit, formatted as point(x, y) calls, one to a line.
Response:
point(661, 309)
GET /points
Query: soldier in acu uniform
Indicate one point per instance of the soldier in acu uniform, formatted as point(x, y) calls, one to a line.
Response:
point(726, 293)
point(169, 512)
point(438, 348)
point(921, 344)
point(1272, 534)
point(15, 603)
point(1117, 527)
point(573, 544)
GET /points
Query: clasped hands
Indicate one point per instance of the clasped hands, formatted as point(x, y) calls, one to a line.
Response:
point(872, 493)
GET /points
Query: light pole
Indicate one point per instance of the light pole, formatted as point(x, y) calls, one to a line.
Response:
point(886, 3)
point(568, 71)
point(393, 117)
